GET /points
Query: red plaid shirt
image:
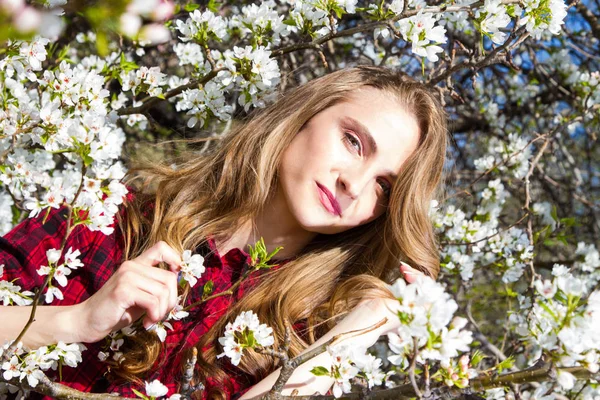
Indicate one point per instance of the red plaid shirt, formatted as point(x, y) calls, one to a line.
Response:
point(23, 251)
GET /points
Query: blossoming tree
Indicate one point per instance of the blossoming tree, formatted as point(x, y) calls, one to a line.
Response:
point(518, 224)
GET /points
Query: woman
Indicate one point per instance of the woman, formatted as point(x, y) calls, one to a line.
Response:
point(340, 172)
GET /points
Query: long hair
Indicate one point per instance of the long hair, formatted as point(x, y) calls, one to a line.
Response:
point(210, 195)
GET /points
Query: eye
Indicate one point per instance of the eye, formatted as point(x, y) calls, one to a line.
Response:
point(353, 142)
point(385, 186)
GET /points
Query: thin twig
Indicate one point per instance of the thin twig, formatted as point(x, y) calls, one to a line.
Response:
point(59, 391)
point(413, 364)
point(290, 365)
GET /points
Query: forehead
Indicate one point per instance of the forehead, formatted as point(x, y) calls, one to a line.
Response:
point(394, 129)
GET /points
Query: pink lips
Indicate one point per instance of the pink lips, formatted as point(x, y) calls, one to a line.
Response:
point(328, 200)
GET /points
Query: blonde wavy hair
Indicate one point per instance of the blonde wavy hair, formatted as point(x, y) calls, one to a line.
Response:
point(210, 194)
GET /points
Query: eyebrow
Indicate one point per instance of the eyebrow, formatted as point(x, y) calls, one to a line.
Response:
point(364, 132)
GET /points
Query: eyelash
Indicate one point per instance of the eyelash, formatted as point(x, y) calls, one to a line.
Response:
point(352, 141)
point(385, 187)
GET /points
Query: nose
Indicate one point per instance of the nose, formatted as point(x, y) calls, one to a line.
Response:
point(352, 183)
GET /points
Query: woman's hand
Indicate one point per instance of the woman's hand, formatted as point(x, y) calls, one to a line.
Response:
point(409, 273)
point(136, 287)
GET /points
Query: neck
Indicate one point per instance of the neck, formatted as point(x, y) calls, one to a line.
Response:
point(276, 226)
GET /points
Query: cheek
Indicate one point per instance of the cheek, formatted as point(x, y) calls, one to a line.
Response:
point(370, 209)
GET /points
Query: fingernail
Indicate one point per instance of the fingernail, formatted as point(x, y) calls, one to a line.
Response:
point(150, 327)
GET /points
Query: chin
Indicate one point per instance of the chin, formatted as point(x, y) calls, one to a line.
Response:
point(317, 224)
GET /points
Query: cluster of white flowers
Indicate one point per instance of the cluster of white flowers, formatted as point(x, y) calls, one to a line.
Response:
point(67, 114)
point(426, 313)
point(11, 294)
point(253, 71)
point(540, 16)
point(31, 364)
point(204, 103)
point(59, 272)
point(587, 264)
point(478, 240)
point(585, 83)
point(202, 26)
point(246, 332)
point(250, 70)
point(511, 156)
point(460, 20)
point(425, 36)
point(511, 248)
point(113, 342)
point(564, 322)
point(349, 362)
point(190, 53)
point(145, 79)
point(262, 22)
point(309, 20)
point(491, 18)
point(317, 17)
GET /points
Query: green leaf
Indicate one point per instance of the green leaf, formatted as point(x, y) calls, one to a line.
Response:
point(63, 53)
point(102, 43)
point(338, 11)
point(569, 221)
point(140, 395)
point(87, 160)
point(290, 22)
point(476, 358)
point(510, 10)
point(191, 7)
point(250, 339)
point(554, 213)
point(208, 288)
point(214, 6)
point(320, 371)
point(506, 364)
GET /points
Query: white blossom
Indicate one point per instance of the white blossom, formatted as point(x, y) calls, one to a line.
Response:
point(424, 35)
point(245, 331)
point(156, 388)
point(192, 267)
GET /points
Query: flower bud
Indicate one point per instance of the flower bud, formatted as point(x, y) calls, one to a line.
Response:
point(27, 20)
point(163, 11)
point(154, 34)
point(130, 24)
point(11, 6)
point(458, 322)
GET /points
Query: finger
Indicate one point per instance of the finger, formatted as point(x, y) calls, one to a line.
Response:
point(167, 278)
point(161, 252)
point(140, 285)
point(410, 274)
point(146, 302)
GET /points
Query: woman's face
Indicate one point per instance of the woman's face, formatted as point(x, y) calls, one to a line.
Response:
point(338, 171)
